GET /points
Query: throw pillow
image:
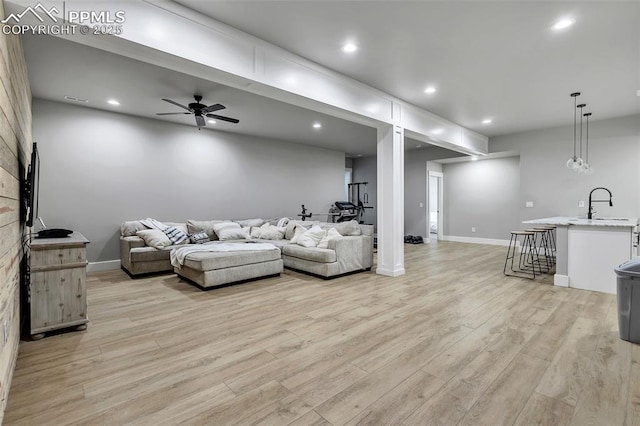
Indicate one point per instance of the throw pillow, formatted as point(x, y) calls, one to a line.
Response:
point(282, 222)
point(351, 228)
point(218, 227)
point(332, 234)
point(175, 235)
point(199, 238)
point(312, 237)
point(154, 238)
point(129, 228)
point(255, 231)
point(195, 226)
point(154, 224)
point(270, 232)
point(297, 233)
point(250, 222)
point(292, 224)
point(233, 234)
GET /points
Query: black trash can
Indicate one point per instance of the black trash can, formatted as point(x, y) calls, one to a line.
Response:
point(629, 300)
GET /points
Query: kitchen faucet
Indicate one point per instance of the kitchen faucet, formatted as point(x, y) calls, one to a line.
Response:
point(590, 214)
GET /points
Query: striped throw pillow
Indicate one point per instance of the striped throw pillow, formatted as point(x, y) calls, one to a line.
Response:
point(199, 238)
point(175, 235)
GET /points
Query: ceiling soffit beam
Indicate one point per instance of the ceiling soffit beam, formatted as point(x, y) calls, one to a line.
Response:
point(175, 37)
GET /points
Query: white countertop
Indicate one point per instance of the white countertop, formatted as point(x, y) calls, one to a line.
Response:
point(567, 221)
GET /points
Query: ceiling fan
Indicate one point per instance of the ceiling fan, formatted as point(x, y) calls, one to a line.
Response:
point(200, 111)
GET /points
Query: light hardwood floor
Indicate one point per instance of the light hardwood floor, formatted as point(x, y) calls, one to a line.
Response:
point(451, 342)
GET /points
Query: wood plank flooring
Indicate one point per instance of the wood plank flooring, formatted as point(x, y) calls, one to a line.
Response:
point(451, 342)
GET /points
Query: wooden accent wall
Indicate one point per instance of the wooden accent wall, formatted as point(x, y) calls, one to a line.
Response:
point(15, 150)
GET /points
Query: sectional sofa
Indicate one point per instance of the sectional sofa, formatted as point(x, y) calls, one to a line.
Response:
point(350, 250)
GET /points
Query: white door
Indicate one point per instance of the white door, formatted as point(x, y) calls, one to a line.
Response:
point(434, 206)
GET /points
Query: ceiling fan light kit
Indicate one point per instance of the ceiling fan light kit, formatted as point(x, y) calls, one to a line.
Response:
point(200, 111)
point(576, 162)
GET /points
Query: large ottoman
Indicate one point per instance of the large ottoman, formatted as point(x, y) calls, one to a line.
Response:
point(213, 269)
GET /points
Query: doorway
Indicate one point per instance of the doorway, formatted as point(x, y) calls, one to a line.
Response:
point(434, 205)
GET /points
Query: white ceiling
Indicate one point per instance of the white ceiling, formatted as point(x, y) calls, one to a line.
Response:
point(488, 59)
point(496, 59)
point(59, 67)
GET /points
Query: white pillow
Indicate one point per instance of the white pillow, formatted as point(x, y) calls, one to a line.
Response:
point(297, 233)
point(250, 222)
point(218, 227)
point(255, 231)
point(312, 237)
point(154, 238)
point(332, 234)
point(234, 234)
point(270, 232)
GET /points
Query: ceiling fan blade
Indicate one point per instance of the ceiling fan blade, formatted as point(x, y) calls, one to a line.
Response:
point(223, 118)
point(212, 108)
point(200, 121)
point(177, 104)
point(172, 113)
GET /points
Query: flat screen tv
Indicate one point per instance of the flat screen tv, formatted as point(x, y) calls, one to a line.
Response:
point(31, 187)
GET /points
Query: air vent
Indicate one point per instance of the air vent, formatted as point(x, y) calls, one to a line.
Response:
point(74, 99)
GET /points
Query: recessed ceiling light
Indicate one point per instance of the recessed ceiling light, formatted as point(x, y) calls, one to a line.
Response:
point(212, 121)
point(418, 146)
point(437, 131)
point(487, 121)
point(317, 125)
point(429, 90)
point(474, 158)
point(563, 23)
point(349, 47)
point(359, 155)
point(113, 102)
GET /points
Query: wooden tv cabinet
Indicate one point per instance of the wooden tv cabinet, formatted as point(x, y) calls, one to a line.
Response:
point(58, 285)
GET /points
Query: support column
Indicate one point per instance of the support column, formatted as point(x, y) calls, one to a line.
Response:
point(390, 203)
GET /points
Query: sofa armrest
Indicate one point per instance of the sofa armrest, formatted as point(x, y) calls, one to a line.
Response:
point(353, 253)
point(126, 244)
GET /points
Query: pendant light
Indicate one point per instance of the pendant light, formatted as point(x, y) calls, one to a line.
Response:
point(586, 167)
point(581, 168)
point(575, 162)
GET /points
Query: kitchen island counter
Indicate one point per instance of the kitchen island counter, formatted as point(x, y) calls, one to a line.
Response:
point(587, 250)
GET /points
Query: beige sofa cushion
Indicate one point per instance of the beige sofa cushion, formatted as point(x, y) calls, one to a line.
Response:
point(208, 261)
point(148, 254)
point(130, 227)
point(313, 254)
point(346, 229)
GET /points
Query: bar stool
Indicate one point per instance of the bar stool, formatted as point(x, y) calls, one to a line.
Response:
point(543, 248)
point(528, 255)
point(551, 241)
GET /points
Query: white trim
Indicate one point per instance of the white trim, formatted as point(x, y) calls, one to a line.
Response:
point(473, 240)
point(493, 155)
point(561, 280)
point(390, 273)
point(440, 176)
point(107, 265)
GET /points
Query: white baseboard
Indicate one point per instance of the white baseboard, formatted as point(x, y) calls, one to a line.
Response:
point(107, 265)
point(473, 240)
point(390, 272)
point(561, 280)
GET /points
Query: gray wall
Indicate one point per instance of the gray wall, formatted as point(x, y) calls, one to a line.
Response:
point(415, 181)
point(365, 170)
point(100, 168)
point(482, 194)
point(415, 186)
point(614, 151)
